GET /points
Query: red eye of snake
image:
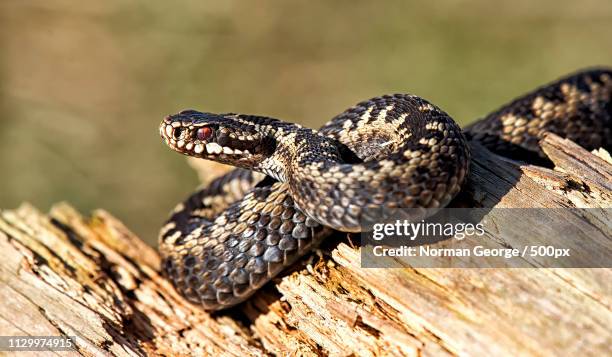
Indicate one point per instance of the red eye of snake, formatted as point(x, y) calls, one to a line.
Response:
point(204, 133)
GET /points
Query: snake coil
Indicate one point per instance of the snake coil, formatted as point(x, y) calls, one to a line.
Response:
point(294, 185)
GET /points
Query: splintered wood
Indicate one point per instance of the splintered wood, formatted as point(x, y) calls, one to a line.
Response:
point(90, 277)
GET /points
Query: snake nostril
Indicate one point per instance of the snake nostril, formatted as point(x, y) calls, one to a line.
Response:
point(176, 134)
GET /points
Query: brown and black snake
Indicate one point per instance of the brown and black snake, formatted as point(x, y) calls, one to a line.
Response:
point(293, 186)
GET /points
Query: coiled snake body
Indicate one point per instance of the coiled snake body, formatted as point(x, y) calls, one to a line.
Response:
point(228, 239)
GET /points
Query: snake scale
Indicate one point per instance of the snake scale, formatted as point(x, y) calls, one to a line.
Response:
point(293, 186)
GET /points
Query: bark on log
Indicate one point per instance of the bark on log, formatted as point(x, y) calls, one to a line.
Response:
point(65, 274)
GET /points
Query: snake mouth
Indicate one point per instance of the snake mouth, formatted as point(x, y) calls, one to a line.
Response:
point(192, 140)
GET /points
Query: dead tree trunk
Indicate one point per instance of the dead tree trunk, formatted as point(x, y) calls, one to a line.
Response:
point(90, 277)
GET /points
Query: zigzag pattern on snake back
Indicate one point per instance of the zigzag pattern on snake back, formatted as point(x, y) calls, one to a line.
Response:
point(294, 185)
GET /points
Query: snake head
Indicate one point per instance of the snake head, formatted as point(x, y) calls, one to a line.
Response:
point(232, 139)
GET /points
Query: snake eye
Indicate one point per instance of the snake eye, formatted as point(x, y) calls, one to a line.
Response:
point(204, 133)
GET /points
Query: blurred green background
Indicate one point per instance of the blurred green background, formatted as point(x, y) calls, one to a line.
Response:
point(83, 85)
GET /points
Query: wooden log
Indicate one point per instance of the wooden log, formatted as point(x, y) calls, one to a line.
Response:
point(90, 277)
point(65, 275)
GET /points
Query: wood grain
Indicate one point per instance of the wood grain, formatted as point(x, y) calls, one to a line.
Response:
point(63, 273)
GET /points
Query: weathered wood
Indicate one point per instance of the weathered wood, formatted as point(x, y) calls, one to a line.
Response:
point(62, 273)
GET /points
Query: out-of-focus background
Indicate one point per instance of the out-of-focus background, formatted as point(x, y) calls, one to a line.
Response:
point(83, 85)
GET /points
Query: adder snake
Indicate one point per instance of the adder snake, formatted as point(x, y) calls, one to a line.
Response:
point(294, 185)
